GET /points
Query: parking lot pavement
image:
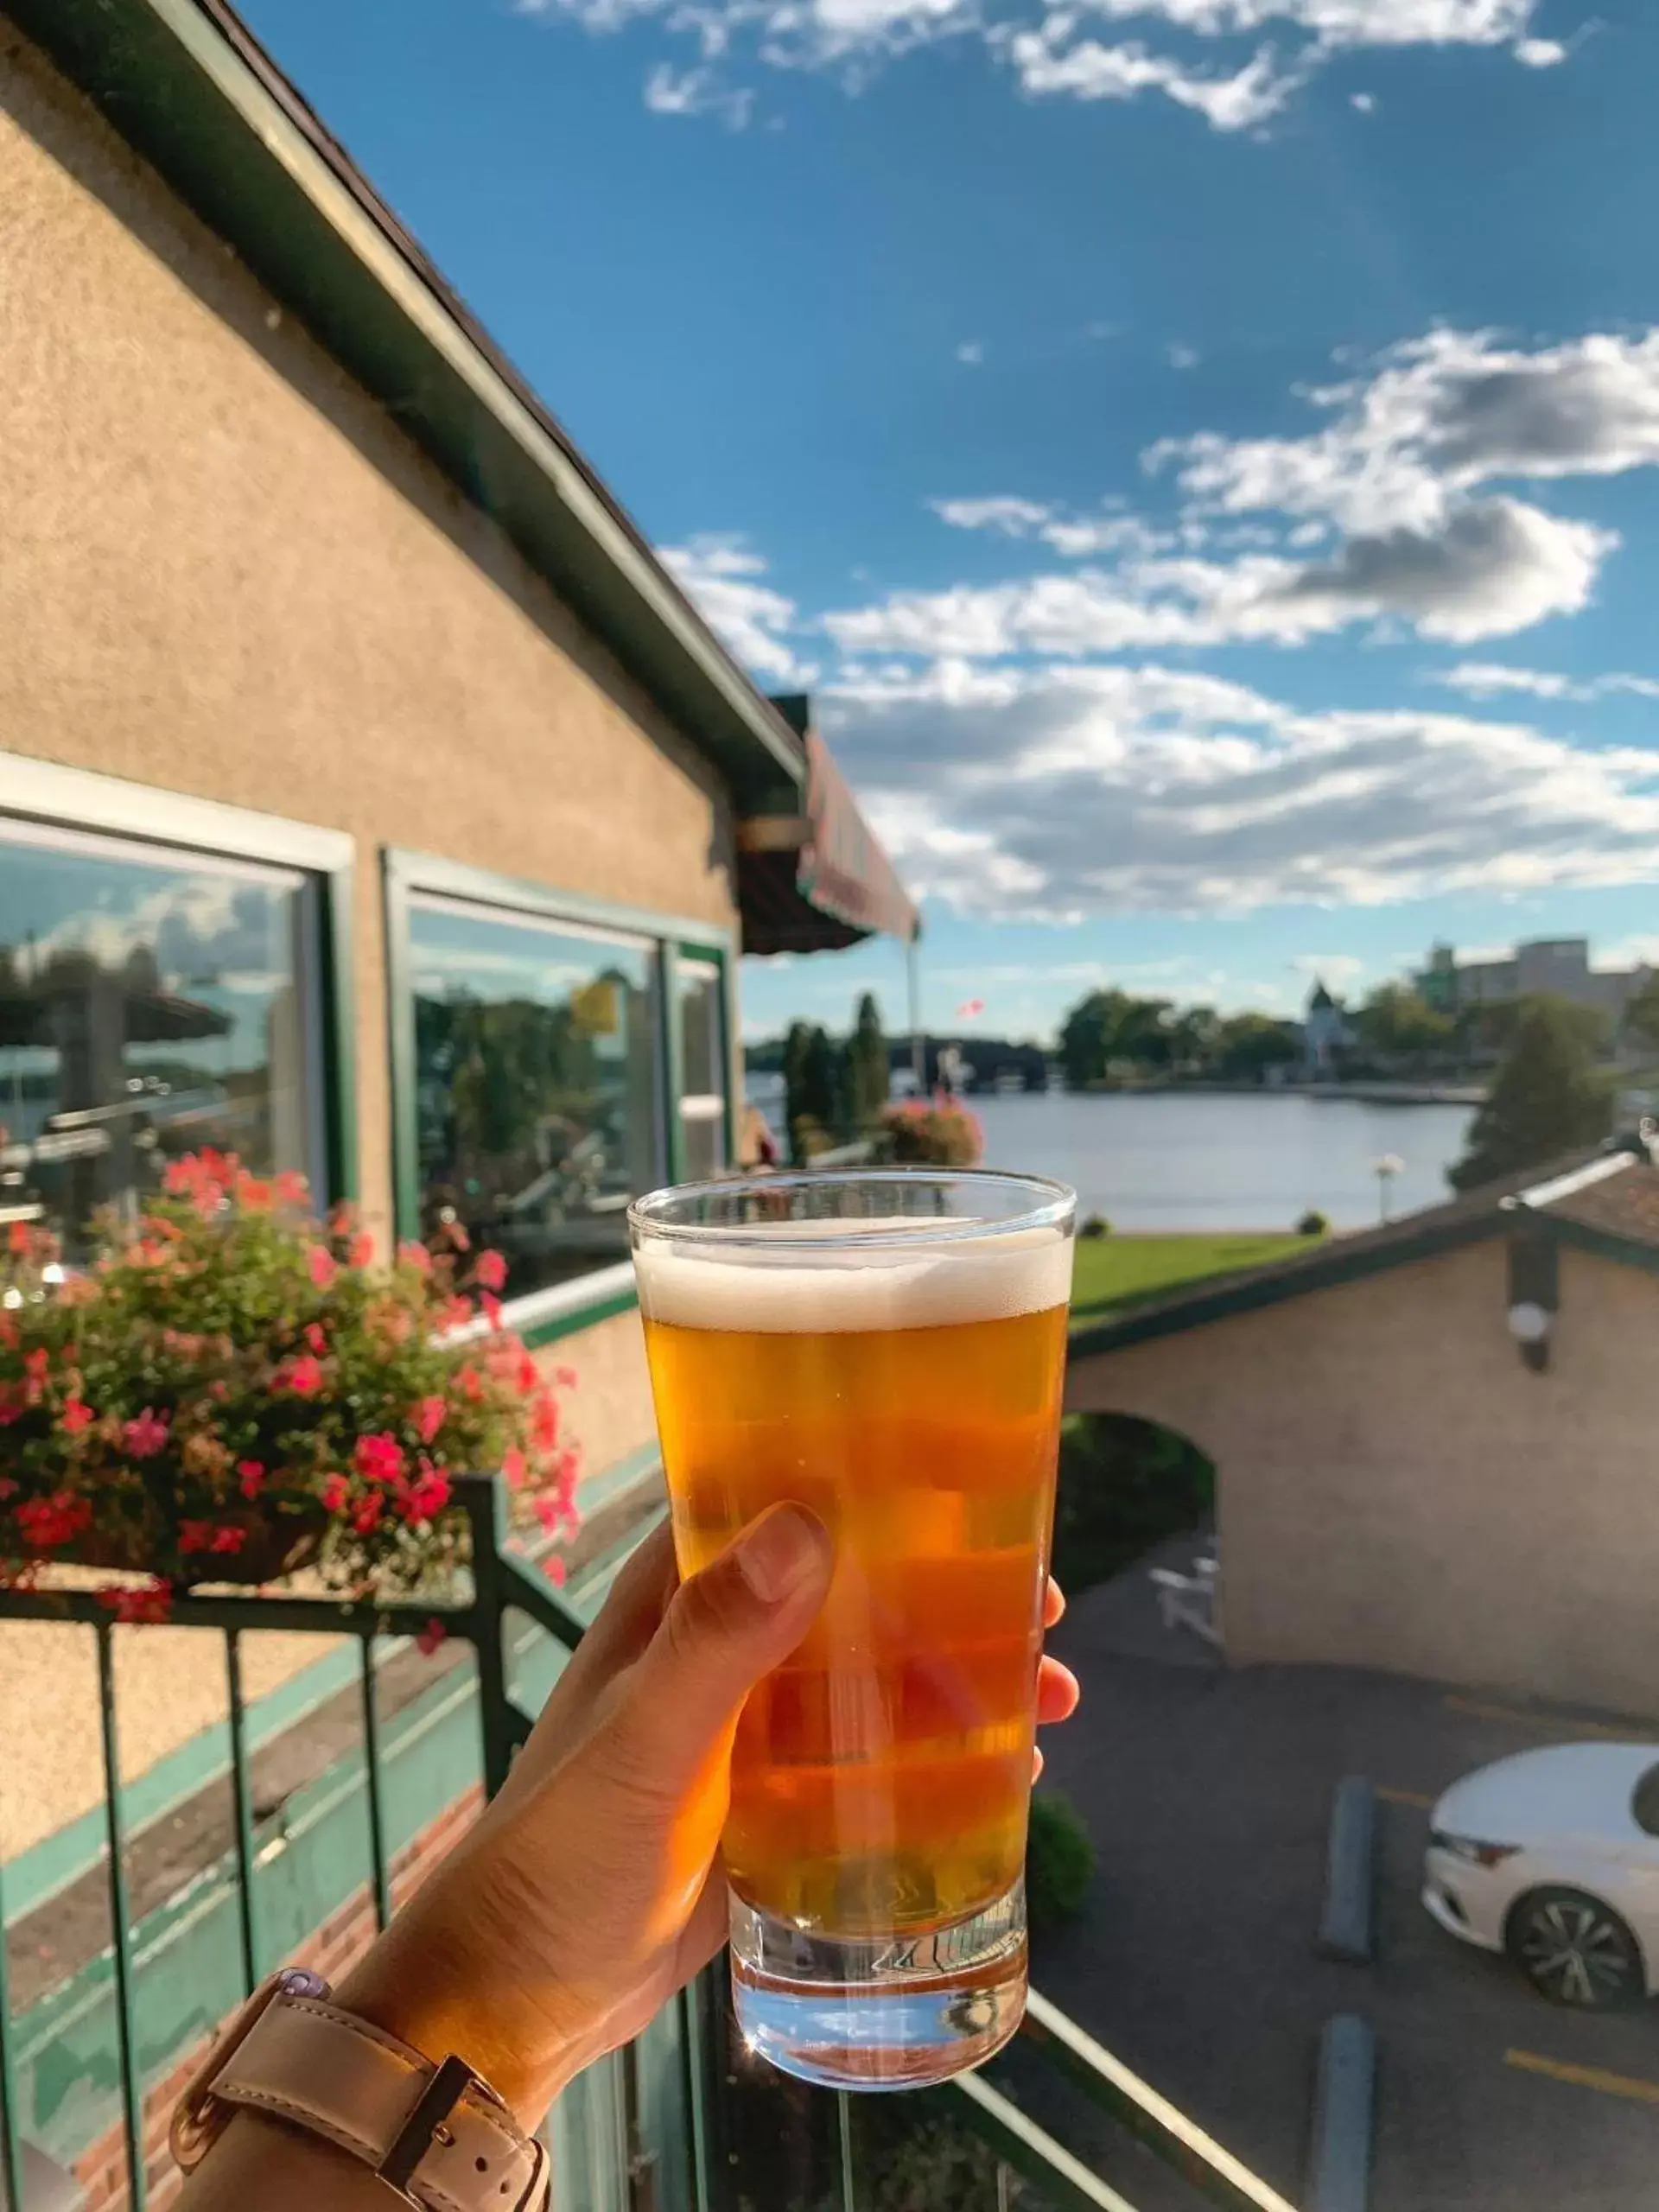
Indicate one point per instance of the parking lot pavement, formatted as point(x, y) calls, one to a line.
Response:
point(1208, 1793)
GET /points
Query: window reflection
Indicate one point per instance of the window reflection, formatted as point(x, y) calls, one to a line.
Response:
point(702, 1070)
point(148, 1006)
point(535, 1084)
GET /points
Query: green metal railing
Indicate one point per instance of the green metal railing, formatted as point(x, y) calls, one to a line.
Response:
point(653, 2148)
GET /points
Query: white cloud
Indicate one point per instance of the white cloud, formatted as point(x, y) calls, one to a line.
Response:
point(696, 91)
point(722, 576)
point(1074, 536)
point(1046, 49)
point(971, 352)
point(1047, 63)
point(1329, 968)
point(1487, 679)
point(1365, 102)
point(1012, 517)
point(1063, 791)
point(1182, 357)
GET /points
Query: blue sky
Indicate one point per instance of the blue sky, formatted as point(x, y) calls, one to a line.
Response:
point(1199, 454)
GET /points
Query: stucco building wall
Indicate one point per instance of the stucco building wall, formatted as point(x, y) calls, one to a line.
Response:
point(1396, 1491)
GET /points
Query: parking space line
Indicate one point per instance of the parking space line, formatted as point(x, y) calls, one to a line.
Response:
point(1553, 1724)
point(1414, 1798)
point(1586, 2077)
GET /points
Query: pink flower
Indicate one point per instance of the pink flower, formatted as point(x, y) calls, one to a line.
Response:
point(554, 1570)
point(470, 1384)
point(565, 1378)
point(252, 1195)
point(491, 1306)
point(544, 1421)
point(335, 1492)
point(76, 1416)
point(431, 1637)
point(490, 1270)
point(146, 1435)
point(250, 1475)
point(360, 1251)
point(292, 1189)
point(302, 1376)
point(429, 1417)
point(513, 1467)
point(547, 1512)
point(321, 1264)
point(378, 1459)
point(427, 1494)
point(411, 1255)
point(317, 1337)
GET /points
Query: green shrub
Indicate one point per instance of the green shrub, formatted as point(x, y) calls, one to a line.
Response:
point(1314, 1224)
point(1060, 1863)
point(1095, 1224)
point(1124, 1485)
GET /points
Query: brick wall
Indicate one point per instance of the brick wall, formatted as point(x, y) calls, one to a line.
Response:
point(331, 1951)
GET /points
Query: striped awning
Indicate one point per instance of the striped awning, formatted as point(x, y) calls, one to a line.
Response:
point(816, 881)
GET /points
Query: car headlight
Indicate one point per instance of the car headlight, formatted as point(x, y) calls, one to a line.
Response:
point(1470, 1847)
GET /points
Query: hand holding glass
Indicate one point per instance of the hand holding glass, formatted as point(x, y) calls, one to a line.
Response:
point(888, 1350)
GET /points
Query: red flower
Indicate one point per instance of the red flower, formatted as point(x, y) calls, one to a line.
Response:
point(470, 1384)
point(197, 1536)
point(513, 1468)
point(335, 1492)
point(368, 1514)
point(317, 1338)
point(322, 1265)
point(428, 1417)
point(146, 1435)
point(491, 1306)
point(252, 1476)
point(544, 1421)
point(302, 1376)
point(431, 1637)
point(48, 1522)
point(379, 1458)
point(491, 1271)
point(76, 1416)
point(528, 1376)
point(17, 1238)
point(34, 1367)
point(151, 1601)
point(360, 1251)
point(457, 1311)
point(427, 1494)
point(411, 1255)
point(252, 1195)
point(229, 1539)
point(292, 1189)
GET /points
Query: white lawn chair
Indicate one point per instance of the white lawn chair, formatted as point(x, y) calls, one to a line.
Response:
point(1187, 1600)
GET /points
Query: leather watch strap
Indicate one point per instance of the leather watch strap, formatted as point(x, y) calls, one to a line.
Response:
point(436, 2134)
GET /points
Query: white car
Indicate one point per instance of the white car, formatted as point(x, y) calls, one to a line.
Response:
point(1553, 1857)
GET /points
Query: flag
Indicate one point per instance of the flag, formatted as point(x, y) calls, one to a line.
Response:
point(969, 1008)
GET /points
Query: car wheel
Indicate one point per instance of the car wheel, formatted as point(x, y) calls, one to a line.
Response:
point(1575, 1950)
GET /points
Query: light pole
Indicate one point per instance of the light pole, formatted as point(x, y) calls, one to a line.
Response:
point(1386, 1169)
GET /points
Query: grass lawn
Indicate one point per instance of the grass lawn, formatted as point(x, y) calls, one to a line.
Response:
point(1112, 1272)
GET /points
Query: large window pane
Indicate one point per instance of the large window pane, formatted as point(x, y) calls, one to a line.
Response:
point(149, 1004)
point(703, 1069)
point(536, 1086)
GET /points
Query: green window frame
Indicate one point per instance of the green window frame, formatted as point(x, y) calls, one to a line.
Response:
point(49, 796)
point(541, 1316)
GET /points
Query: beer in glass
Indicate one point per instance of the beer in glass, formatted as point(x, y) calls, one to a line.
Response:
point(887, 1349)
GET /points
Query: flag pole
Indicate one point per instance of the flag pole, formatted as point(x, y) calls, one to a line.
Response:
point(918, 1051)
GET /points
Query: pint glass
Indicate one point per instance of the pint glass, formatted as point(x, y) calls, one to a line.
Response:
point(887, 1349)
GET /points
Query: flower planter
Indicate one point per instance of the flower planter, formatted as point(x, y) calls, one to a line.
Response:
point(270, 1548)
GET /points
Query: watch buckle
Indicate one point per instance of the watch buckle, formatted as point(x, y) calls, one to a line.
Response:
point(427, 2124)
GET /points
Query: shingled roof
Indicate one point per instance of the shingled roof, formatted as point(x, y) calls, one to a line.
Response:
point(1605, 1200)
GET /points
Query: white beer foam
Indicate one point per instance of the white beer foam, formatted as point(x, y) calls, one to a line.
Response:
point(769, 1283)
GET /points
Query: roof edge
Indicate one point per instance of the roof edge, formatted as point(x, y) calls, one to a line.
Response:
point(188, 86)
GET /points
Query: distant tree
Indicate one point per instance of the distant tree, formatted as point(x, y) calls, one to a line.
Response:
point(1109, 1026)
point(867, 1066)
point(811, 1085)
point(1397, 1022)
point(1248, 1045)
point(1194, 1034)
point(1641, 1013)
point(1548, 1097)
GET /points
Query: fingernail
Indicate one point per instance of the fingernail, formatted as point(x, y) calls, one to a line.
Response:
point(781, 1551)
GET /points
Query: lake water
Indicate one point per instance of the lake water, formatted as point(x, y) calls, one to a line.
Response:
point(1192, 1161)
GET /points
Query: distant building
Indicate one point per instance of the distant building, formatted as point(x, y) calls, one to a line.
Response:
point(1324, 1032)
point(1556, 964)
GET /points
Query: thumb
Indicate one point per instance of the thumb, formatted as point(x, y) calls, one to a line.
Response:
point(725, 1628)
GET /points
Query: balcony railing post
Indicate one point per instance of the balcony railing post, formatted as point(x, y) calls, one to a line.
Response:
point(241, 1800)
point(379, 1871)
point(132, 2109)
point(11, 2144)
point(486, 1506)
